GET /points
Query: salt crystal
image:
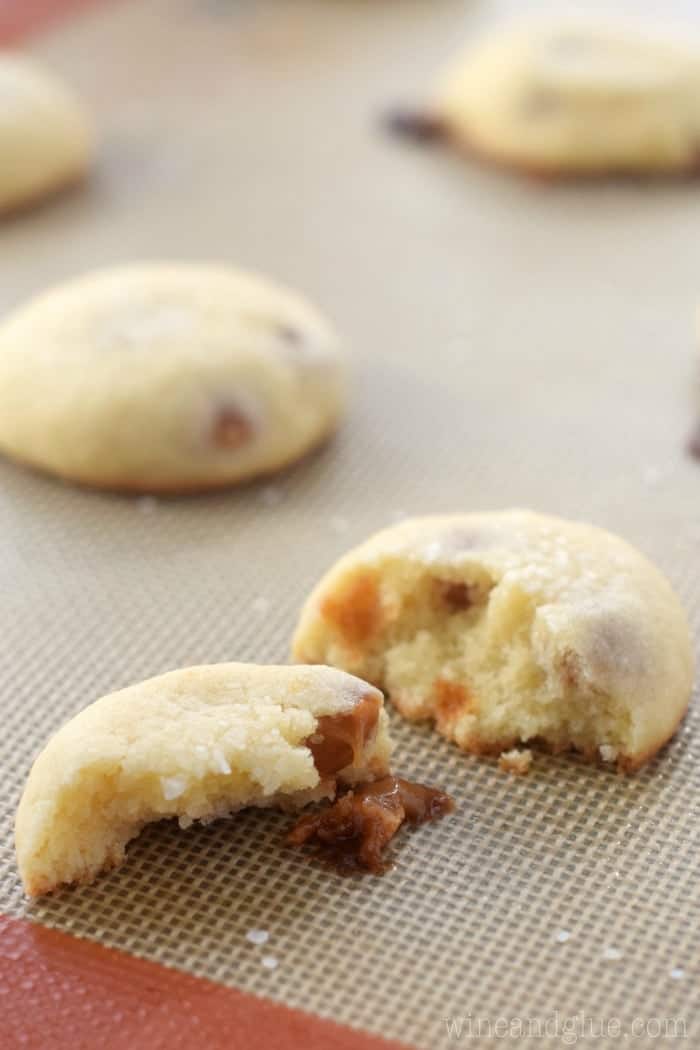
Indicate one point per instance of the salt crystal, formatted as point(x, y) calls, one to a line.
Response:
point(678, 973)
point(269, 962)
point(220, 763)
point(611, 953)
point(562, 936)
point(172, 787)
point(257, 936)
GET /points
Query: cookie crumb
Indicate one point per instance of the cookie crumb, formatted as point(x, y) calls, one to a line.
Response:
point(608, 753)
point(257, 936)
point(515, 761)
point(269, 962)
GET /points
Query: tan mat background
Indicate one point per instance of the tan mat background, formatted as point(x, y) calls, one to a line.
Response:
point(513, 344)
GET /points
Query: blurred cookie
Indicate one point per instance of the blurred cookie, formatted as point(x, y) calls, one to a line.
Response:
point(166, 378)
point(197, 744)
point(45, 136)
point(510, 627)
point(577, 96)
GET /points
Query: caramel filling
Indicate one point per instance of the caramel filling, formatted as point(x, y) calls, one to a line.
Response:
point(231, 429)
point(356, 613)
point(353, 833)
point(340, 739)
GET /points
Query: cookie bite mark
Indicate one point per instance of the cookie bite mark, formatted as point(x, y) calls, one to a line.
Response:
point(517, 762)
point(195, 744)
point(355, 611)
point(554, 632)
point(452, 701)
point(353, 833)
point(340, 739)
point(418, 126)
point(231, 428)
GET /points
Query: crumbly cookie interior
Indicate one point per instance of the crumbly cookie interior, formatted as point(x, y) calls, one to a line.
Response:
point(459, 648)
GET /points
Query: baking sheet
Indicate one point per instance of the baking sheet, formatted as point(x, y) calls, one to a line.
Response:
point(513, 343)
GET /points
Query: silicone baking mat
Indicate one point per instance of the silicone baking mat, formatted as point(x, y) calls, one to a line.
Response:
point(512, 343)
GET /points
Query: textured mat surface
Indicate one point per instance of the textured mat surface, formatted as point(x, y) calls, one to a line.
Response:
point(513, 344)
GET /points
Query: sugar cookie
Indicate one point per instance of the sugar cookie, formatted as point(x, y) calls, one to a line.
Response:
point(509, 627)
point(197, 744)
point(45, 137)
point(166, 378)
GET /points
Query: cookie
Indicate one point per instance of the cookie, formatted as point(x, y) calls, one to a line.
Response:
point(196, 744)
point(510, 627)
point(166, 378)
point(577, 96)
point(46, 141)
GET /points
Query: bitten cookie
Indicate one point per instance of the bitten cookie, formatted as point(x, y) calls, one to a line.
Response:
point(45, 137)
point(577, 96)
point(197, 744)
point(166, 378)
point(510, 627)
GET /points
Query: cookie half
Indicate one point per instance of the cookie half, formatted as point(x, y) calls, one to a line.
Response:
point(196, 744)
point(577, 96)
point(510, 627)
point(46, 141)
point(167, 378)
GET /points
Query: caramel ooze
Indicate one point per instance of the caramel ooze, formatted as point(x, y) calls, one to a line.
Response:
point(357, 828)
point(340, 739)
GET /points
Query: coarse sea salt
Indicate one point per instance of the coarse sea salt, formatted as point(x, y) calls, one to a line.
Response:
point(219, 760)
point(172, 787)
point(257, 936)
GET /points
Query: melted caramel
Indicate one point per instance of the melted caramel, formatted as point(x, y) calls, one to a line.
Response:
point(451, 701)
point(356, 613)
point(340, 739)
point(231, 429)
point(456, 596)
point(353, 833)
